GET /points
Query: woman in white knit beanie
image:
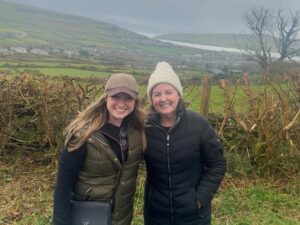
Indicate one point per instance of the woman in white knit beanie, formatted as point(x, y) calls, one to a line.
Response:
point(184, 157)
point(164, 73)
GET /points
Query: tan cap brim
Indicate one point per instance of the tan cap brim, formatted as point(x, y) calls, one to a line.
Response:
point(117, 90)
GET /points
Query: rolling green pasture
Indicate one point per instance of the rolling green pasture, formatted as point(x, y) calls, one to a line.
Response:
point(71, 72)
point(84, 68)
point(90, 67)
point(65, 68)
point(54, 71)
point(218, 99)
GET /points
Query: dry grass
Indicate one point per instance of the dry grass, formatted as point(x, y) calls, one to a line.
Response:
point(27, 197)
point(26, 190)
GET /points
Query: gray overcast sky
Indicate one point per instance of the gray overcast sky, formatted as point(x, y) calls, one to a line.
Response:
point(166, 16)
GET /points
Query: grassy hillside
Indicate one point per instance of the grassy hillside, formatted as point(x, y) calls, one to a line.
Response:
point(40, 31)
point(28, 26)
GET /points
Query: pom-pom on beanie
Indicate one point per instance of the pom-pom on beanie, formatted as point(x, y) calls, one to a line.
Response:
point(164, 73)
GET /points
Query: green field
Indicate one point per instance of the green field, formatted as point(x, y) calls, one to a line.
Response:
point(72, 72)
point(53, 66)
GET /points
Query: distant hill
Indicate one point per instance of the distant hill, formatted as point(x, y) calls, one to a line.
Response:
point(26, 29)
point(26, 26)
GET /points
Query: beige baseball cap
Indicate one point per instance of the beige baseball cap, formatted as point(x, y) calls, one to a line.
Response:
point(121, 83)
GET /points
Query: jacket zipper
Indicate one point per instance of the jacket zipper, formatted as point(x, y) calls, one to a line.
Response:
point(170, 178)
point(169, 165)
point(122, 163)
point(122, 155)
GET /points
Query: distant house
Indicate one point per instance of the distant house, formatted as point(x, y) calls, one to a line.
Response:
point(56, 51)
point(197, 55)
point(38, 51)
point(19, 49)
point(216, 72)
point(4, 50)
point(71, 53)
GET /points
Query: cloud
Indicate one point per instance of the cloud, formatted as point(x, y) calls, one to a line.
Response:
point(166, 16)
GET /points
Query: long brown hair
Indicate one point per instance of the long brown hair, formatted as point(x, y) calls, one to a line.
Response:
point(93, 118)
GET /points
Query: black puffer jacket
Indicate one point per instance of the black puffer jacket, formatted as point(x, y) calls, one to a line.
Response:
point(185, 166)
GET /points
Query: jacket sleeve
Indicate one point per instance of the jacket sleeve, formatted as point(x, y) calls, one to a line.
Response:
point(70, 164)
point(212, 151)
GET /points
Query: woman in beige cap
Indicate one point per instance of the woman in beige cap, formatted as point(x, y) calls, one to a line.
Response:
point(103, 140)
point(184, 157)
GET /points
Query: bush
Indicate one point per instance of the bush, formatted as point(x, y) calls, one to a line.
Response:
point(261, 131)
point(35, 110)
point(260, 125)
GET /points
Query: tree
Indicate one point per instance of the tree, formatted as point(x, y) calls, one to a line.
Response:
point(286, 37)
point(258, 20)
point(263, 26)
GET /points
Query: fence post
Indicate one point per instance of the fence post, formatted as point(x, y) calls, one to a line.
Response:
point(205, 95)
point(298, 87)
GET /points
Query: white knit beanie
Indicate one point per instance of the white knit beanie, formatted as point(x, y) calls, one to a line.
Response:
point(164, 73)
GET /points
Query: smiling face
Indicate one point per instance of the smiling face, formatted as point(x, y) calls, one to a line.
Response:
point(119, 106)
point(165, 99)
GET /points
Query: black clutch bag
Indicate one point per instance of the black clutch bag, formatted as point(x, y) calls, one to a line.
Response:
point(90, 213)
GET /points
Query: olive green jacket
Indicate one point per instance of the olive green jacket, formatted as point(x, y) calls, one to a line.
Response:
point(99, 172)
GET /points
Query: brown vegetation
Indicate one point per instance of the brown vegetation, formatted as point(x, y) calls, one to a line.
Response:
point(35, 110)
point(261, 130)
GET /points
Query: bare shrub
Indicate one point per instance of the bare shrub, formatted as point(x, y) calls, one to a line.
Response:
point(35, 110)
point(260, 125)
point(261, 130)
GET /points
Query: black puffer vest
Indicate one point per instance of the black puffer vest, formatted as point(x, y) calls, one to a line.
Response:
point(184, 166)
